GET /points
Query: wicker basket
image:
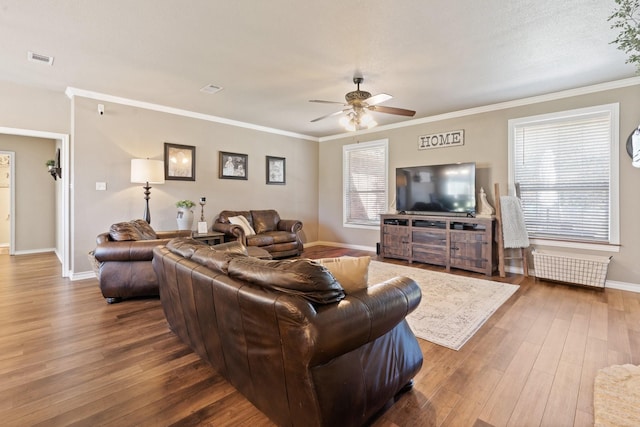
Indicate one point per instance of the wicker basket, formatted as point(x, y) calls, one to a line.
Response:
point(580, 269)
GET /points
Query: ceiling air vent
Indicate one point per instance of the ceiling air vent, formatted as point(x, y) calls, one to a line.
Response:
point(211, 89)
point(37, 57)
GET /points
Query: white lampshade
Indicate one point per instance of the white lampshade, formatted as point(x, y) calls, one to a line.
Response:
point(145, 170)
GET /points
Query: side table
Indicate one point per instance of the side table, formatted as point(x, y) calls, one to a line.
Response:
point(210, 238)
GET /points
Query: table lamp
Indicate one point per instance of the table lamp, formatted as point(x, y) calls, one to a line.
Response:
point(145, 171)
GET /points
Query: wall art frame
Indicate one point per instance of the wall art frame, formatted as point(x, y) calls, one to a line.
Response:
point(233, 166)
point(276, 168)
point(179, 162)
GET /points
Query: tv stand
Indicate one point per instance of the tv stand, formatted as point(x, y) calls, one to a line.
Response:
point(452, 242)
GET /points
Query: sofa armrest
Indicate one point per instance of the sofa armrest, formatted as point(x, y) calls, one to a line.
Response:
point(232, 230)
point(292, 225)
point(362, 317)
point(130, 250)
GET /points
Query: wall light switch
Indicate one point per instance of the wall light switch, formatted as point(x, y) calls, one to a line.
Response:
point(101, 186)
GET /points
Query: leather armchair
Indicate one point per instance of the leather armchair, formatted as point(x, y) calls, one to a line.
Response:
point(124, 268)
point(279, 237)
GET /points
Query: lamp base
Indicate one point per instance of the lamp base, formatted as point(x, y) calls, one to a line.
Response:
point(147, 213)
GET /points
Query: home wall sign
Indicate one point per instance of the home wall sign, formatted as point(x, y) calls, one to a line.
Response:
point(438, 140)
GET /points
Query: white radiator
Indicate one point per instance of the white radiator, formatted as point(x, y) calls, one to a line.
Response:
point(588, 270)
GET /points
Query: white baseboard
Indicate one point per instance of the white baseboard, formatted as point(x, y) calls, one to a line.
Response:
point(35, 251)
point(623, 286)
point(340, 245)
point(608, 284)
point(83, 275)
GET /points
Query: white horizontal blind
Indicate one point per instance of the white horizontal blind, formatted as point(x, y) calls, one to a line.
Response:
point(365, 182)
point(563, 168)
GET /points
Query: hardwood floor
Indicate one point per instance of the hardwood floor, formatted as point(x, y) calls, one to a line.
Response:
point(68, 358)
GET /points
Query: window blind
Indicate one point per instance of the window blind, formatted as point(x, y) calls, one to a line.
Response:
point(365, 182)
point(563, 168)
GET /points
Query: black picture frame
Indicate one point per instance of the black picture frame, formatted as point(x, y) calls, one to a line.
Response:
point(179, 162)
point(233, 166)
point(276, 168)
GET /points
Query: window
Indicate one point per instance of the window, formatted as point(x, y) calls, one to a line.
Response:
point(364, 183)
point(567, 167)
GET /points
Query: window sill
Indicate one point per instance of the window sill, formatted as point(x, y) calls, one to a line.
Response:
point(367, 227)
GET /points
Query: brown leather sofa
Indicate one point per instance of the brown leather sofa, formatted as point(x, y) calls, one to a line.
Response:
point(279, 237)
point(123, 259)
point(286, 336)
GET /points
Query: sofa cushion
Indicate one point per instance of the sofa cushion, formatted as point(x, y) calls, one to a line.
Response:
point(259, 240)
point(215, 260)
point(123, 231)
point(351, 272)
point(244, 223)
point(265, 220)
point(300, 277)
point(281, 236)
point(234, 247)
point(224, 216)
point(138, 229)
point(185, 246)
point(145, 229)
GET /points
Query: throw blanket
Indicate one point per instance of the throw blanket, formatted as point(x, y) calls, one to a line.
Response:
point(514, 231)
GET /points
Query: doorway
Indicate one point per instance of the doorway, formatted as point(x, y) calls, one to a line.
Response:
point(63, 223)
point(6, 200)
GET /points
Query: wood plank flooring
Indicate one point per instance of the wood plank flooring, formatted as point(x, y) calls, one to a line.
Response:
point(69, 359)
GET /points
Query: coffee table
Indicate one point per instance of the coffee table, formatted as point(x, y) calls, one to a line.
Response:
point(210, 238)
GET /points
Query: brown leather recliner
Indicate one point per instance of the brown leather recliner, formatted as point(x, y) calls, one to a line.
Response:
point(286, 336)
point(279, 237)
point(123, 259)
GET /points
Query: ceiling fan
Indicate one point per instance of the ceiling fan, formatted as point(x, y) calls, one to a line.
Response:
point(358, 104)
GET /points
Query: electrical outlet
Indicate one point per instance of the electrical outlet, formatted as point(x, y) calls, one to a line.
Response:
point(101, 186)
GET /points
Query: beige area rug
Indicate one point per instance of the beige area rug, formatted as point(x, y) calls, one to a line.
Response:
point(453, 308)
point(616, 396)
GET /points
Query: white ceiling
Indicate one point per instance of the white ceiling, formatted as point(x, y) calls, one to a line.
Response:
point(271, 57)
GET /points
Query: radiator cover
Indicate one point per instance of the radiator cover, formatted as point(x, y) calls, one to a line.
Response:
point(580, 269)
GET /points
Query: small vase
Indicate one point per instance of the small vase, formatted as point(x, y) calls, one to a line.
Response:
point(185, 219)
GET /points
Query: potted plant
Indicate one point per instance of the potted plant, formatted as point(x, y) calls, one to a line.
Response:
point(185, 214)
point(627, 19)
point(50, 164)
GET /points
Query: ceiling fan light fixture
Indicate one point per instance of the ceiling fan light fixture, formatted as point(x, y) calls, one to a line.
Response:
point(359, 103)
point(351, 126)
point(366, 119)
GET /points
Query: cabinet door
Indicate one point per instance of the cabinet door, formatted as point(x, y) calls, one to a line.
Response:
point(395, 241)
point(470, 250)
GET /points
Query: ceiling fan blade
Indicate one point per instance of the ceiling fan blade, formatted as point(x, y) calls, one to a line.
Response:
point(378, 99)
point(329, 115)
point(326, 102)
point(393, 110)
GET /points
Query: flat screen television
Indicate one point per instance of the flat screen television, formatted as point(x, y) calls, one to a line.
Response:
point(447, 190)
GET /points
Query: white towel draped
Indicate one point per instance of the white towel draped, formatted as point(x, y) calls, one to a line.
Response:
point(514, 230)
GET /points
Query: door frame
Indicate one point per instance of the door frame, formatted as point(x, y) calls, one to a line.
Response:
point(12, 198)
point(63, 226)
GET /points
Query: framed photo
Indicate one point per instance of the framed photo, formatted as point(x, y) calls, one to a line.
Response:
point(179, 162)
point(276, 170)
point(233, 166)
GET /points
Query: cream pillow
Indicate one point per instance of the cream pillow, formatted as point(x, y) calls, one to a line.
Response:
point(244, 223)
point(351, 272)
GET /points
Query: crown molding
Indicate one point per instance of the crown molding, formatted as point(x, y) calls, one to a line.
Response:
point(585, 90)
point(72, 92)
